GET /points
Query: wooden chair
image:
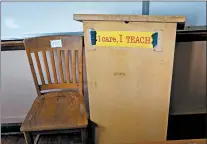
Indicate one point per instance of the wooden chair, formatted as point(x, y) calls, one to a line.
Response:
point(54, 110)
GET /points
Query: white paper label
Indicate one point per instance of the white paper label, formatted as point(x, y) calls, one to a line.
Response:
point(56, 43)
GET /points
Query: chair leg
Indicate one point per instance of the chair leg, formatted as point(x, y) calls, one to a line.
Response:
point(28, 138)
point(84, 136)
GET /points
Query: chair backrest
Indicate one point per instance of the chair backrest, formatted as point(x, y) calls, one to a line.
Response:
point(55, 62)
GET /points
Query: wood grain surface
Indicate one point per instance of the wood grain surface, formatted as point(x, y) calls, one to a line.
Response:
point(51, 70)
point(59, 109)
point(56, 110)
point(134, 106)
point(131, 18)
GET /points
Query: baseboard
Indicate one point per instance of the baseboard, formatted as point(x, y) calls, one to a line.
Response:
point(10, 128)
point(180, 127)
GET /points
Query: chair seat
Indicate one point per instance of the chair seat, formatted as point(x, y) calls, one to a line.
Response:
point(55, 111)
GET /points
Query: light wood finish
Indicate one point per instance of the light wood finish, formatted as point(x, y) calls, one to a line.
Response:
point(80, 63)
point(131, 18)
point(134, 106)
point(74, 66)
point(56, 110)
point(53, 66)
point(41, 45)
point(67, 67)
point(59, 110)
point(46, 66)
point(59, 86)
point(60, 66)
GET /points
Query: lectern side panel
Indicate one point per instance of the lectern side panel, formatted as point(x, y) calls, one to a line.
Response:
point(129, 85)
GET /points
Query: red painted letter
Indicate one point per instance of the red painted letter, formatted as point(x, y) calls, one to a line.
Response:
point(103, 39)
point(137, 39)
point(128, 38)
point(142, 40)
point(120, 38)
point(147, 40)
point(133, 39)
point(99, 39)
